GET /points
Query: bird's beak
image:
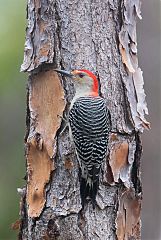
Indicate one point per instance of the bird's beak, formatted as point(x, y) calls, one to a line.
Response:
point(65, 73)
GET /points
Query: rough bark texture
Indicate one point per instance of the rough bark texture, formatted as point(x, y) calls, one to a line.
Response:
point(99, 36)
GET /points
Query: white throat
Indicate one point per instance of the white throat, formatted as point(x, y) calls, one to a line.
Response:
point(81, 91)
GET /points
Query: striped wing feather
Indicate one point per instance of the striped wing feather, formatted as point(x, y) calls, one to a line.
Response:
point(90, 125)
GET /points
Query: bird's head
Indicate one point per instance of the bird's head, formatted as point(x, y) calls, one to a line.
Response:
point(85, 82)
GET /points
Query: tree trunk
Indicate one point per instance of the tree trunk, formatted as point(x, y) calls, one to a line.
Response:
point(99, 36)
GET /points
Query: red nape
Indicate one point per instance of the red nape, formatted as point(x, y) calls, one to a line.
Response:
point(95, 80)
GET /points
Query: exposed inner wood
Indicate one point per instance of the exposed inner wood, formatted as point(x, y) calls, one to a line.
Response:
point(46, 105)
point(39, 167)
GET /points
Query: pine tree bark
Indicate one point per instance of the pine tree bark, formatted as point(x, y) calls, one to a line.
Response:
point(99, 36)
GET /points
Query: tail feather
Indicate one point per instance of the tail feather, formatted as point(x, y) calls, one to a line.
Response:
point(88, 188)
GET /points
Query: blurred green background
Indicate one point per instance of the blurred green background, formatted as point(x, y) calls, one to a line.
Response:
point(12, 111)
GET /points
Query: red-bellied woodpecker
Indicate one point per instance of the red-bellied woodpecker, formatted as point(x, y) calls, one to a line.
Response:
point(90, 125)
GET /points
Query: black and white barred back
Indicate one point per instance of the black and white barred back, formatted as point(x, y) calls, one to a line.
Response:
point(90, 125)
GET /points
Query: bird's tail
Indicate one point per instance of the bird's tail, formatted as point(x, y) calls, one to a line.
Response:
point(89, 188)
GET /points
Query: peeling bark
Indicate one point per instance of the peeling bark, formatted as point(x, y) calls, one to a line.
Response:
point(100, 36)
point(128, 214)
point(46, 104)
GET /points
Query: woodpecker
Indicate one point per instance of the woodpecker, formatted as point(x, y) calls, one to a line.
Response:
point(89, 120)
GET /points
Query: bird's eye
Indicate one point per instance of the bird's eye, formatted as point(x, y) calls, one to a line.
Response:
point(81, 75)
